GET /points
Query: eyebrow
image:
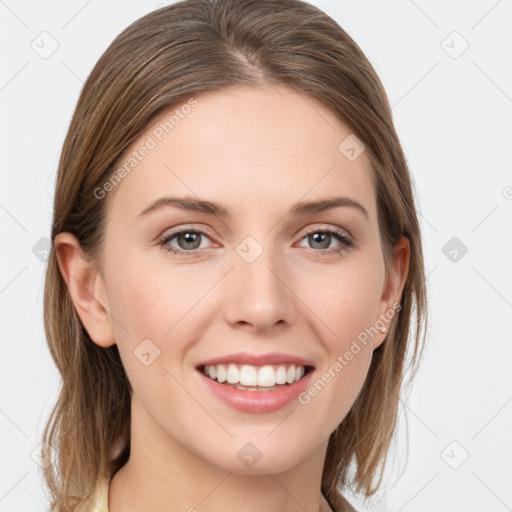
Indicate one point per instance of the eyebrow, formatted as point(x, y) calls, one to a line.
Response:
point(214, 208)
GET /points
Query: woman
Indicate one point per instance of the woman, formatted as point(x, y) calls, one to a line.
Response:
point(236, 255)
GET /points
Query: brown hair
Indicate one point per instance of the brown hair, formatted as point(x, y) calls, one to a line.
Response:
point(158, 62)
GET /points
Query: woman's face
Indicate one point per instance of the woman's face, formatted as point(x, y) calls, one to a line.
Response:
point(260, 279)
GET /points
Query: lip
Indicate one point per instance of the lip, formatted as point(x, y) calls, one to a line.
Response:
point(257, 359)
point(257, 402)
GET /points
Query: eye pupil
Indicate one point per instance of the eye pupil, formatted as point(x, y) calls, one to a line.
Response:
point(189, 238)
point(322, 237)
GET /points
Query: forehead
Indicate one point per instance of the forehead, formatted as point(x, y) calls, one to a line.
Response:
point(255, 148)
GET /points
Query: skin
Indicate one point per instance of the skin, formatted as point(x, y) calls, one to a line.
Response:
point(257, 152)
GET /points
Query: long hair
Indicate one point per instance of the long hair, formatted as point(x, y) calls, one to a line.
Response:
point(158, 62)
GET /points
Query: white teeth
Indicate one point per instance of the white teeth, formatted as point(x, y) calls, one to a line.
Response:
point(267, 376)
point(221, 372)
point(248, 376)
point(233, 374)
point(281, 375)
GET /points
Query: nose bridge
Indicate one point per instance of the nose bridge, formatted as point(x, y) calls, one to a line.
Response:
point(258, 292)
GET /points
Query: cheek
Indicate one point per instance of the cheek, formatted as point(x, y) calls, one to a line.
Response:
point(348, 303)
point(149, 296)
point(165, 305)
point(348, 309)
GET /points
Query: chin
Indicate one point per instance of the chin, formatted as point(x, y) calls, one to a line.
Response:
point(255, 458)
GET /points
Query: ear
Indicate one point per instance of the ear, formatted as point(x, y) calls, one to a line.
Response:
point(86, 288)
point(392, 289)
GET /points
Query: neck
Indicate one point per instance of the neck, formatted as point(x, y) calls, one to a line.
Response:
point(164, 475)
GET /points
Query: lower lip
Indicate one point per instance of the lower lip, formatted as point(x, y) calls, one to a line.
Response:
point(257, 401)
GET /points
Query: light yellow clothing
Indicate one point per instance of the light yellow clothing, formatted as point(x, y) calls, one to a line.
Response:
point(100, 497)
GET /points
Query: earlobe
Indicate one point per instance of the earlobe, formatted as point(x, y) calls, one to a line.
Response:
point(86, 289)
point(392, 290)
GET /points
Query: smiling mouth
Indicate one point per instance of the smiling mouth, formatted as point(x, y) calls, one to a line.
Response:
point(248, 377)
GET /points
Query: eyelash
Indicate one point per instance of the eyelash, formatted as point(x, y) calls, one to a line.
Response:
point(346, 242)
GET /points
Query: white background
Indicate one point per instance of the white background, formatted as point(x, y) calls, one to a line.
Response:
point(453, 118)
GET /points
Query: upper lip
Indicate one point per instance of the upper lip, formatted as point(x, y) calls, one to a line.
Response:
point(257, 359)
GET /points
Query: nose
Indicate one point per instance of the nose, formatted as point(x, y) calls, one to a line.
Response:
point(259, 294)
